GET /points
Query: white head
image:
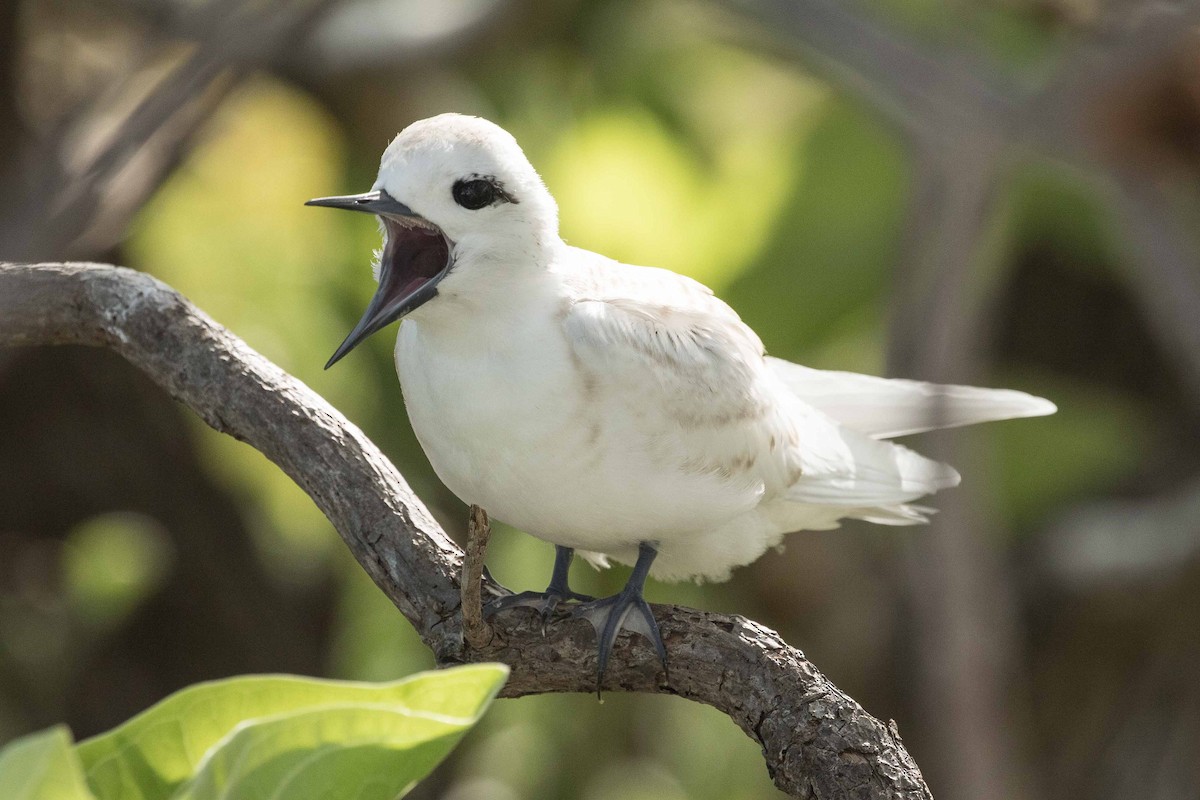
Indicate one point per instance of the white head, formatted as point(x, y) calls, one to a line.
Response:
point(470, 178)
point(463, 213)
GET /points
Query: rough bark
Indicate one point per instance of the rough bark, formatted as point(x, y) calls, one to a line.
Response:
point(817, 741)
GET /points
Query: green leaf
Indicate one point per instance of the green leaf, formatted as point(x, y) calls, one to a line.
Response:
point(276, 725)
point(361, 752)
point(42, 766)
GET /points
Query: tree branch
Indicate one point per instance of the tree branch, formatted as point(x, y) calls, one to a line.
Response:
point(817, 741)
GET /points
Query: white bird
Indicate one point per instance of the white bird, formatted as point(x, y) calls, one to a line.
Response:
point(621, 411)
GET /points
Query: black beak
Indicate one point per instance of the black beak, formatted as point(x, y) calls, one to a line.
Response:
point(376, 202)
point(416, 256)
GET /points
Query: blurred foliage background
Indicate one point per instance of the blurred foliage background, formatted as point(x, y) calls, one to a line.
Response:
point(993, 191)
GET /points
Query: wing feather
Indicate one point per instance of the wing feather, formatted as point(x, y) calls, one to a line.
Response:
point(676, 350)
point(689, 373)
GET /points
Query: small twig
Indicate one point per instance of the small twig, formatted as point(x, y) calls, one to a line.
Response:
point(94, 200)
point(475, 628)
point(919, 87)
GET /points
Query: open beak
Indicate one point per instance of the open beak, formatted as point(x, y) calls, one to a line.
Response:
point(416, 256)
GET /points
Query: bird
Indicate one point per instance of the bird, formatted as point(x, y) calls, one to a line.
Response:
point(622, 413)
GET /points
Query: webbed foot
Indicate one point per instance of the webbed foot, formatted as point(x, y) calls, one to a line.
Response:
point(545, 602)
point(626, 610)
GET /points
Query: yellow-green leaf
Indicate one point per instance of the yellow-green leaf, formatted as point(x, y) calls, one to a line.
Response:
point(368, 752)
point(288, 719)
point(42, 766)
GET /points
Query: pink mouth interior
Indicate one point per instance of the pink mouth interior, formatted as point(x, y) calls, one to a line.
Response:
point(414, 255)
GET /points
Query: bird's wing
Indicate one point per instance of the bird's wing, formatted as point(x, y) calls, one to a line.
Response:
point(685, 358)
point(687, 370)
point(883, 407)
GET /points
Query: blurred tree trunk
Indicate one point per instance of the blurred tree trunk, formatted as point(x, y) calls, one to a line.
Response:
point(85, 434)
point(962, 613)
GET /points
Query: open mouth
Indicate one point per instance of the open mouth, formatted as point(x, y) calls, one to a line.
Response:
point(415, 258)
point(416, 255)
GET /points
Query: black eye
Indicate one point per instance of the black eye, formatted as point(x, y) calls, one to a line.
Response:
point(474, 194)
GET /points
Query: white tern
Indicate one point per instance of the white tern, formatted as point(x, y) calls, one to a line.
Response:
point(620, 411)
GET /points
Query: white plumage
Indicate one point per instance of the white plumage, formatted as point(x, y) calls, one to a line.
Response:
point(599, 405)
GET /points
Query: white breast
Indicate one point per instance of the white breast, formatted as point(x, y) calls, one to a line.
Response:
point(510, 422)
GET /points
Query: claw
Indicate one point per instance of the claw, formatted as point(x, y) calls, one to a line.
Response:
point(535, 600)
point(544, 603)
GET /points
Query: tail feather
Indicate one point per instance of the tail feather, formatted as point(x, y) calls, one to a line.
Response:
point(883, 408)
point(872, 475)
point(897, 515)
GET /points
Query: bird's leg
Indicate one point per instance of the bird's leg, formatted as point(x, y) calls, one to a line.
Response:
point(544, 602)
point(558, 579)
point(627, 609)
